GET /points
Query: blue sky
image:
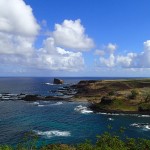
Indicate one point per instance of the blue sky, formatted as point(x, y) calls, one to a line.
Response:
point(75, 38)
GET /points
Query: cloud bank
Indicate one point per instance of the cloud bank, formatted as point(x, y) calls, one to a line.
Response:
point(130, 60)
point(19, 30)
point(18, 27)
point(62, 50)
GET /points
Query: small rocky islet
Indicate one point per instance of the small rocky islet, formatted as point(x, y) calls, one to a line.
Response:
point(110, 96)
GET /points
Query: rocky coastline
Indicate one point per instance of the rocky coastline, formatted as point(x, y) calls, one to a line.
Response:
point(105, 96)
point(116, 96)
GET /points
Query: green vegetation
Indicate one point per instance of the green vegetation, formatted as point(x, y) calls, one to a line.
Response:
point(144, 107)
point(105, 141)
point(134, 94)
point(147, 99)
point(130, 96)
point(118, 104)
point(111, 93)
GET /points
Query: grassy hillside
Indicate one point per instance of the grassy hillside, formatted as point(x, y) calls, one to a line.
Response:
point(118, 95)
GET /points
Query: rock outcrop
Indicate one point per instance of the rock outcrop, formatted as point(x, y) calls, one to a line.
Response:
point(58, 81)
point(105, 100)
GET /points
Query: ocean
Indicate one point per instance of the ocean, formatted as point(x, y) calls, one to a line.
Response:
point(59, 121)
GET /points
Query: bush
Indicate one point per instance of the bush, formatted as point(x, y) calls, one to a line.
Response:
point(147, 99)
point(111, 93)
point(134, 94)
point(144, 107)
point(105, 141)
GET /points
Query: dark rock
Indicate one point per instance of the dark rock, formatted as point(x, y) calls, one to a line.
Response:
point(106, 100)
point(87, 81)
point(53, 98)
point(58, 81)
point(31, 98)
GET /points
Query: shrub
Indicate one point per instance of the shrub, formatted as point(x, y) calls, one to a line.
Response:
point(147, 99)
point(105, 141)
point(134, 94)
point(111, 93)
point(144, 107)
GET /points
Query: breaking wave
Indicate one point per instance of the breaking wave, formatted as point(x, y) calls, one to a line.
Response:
point(46, 104)
point(83, 109)
point(121, 114)
point(49, 84)
point(41, 105)
point(58, 103)
point(36, 103)
point(110, 119)
point(144, 126)
point(52, 133)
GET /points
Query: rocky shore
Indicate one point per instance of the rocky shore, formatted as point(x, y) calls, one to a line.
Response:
point(26, 97)
point(116, 96)
point(107, 96)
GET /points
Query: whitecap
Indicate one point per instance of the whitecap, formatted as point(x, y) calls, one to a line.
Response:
point(45, 101)
point(144, 126)
point(102, 113)
point(36, 103)
point(112, 114)
point(144, 116)
point(83, 109)
point(53, 133)
point(40, 105)
point(110, 119)
point(118, 114)
point(49, 83)
point(134, 125)
point(5, 98)
point(58, 103)
point(147, 127)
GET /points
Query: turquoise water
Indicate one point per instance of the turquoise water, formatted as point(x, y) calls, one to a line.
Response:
point(58, 122)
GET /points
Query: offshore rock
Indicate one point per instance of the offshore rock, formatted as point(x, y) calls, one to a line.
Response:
point(58, 81)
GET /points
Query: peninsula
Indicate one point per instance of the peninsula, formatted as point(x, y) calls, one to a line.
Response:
point(121, 96)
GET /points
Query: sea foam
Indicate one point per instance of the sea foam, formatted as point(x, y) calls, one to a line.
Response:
point(83, 109)
point(110, 119)
point(41, 105)
point(36, 103)
point(123, 114)
point(49, 83)
point(52, 133)
point(144, 126)
point(58, 103)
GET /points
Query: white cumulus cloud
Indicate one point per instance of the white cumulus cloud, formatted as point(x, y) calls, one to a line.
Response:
point(19, 30)
point(99, 52)
point(18, 27)
point(130, 60)
point(17, 17)
point(110, 47)
point(71, 34)
point(56, 58)
point(108, 62)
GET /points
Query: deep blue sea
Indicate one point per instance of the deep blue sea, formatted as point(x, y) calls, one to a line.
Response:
point(58, 121)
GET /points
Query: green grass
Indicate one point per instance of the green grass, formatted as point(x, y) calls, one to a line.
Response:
point(118, 104)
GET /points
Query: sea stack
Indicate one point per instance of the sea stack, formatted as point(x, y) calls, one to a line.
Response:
point(58, 81)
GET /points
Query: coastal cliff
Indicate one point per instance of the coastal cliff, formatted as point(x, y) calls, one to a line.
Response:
point(128, 96)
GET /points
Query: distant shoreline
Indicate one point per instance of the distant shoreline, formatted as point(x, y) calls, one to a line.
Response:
point(127, 96)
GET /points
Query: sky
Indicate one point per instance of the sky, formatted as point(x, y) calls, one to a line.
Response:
point(97, 38)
